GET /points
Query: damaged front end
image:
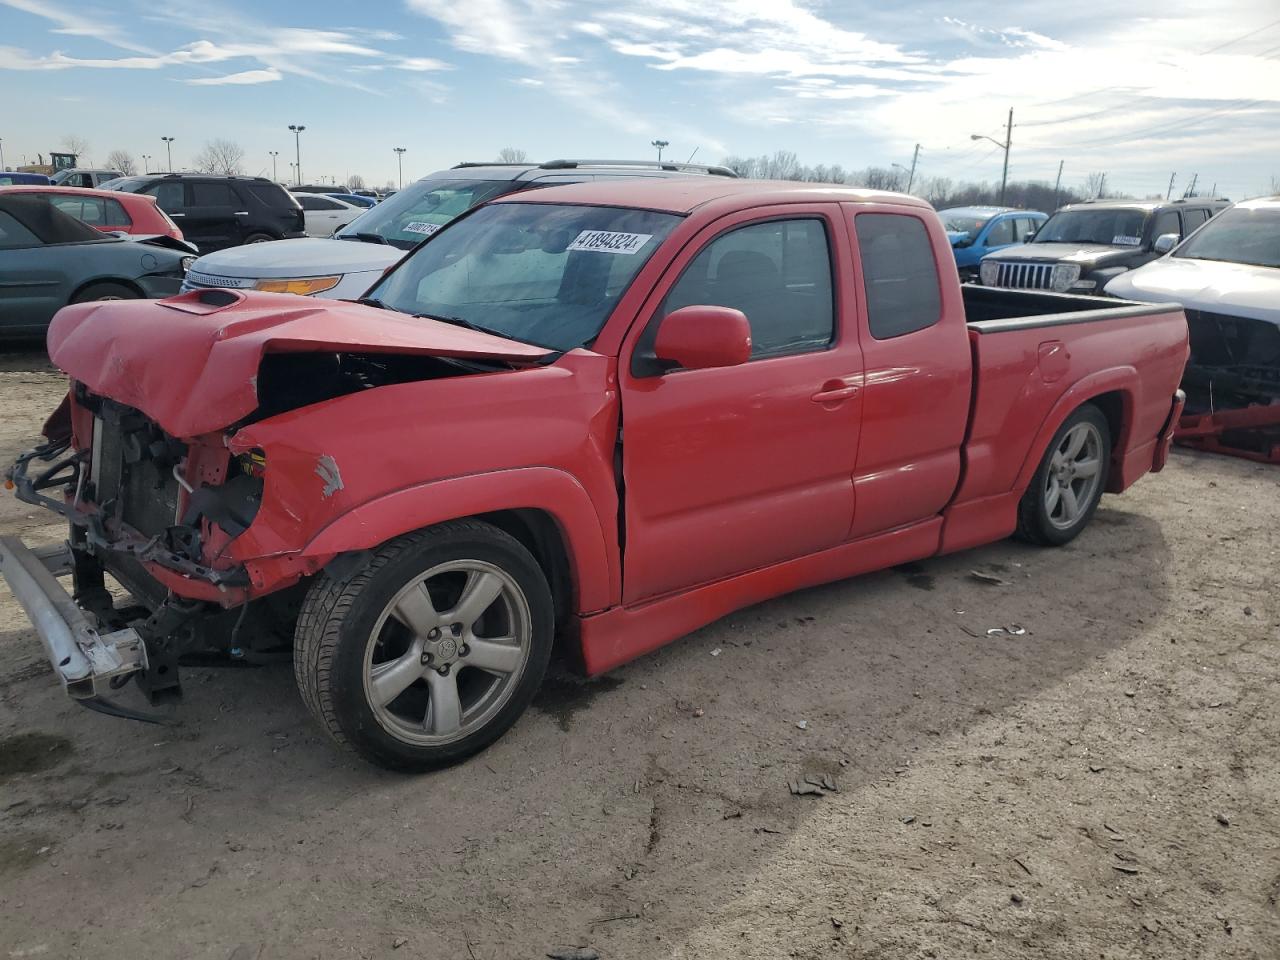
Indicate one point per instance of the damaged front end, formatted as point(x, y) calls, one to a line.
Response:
point(1232, 383)
point(152, 460)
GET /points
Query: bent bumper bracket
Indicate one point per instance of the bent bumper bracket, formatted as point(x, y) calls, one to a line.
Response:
point(82, 658)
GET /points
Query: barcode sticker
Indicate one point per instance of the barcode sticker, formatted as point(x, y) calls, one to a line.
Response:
point(1120, 240)
point(418, 226)
point(605, 241)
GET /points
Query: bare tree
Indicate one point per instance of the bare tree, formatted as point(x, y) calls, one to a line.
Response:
point(512, 155)
point(122, 160)
point(220, 156)
point(1094, 183)
point(1275, 185)
point(389, 186)
point(355, 182)
point(79, 146)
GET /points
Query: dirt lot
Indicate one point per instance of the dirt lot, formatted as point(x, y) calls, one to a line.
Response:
point(1103, 786)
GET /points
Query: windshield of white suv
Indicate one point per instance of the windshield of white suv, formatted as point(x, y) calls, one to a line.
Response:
point(536, 272)
point(407, 218)
point(1238, 236)
point(1109, 227)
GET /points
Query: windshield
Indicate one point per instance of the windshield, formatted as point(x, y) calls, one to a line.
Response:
point(1238, 236)
point(960, 223)
point(536, 272)
point(413, 214)
point(1112, 228)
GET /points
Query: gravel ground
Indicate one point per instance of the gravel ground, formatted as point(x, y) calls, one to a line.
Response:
point(1101, 786)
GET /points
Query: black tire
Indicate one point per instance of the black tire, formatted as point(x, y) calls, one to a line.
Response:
point(334, 635)
point(105, 291)
point(1036, 520)
point(258, 238)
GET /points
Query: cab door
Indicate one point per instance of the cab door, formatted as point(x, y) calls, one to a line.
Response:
point(918, 371)
point(733, 468)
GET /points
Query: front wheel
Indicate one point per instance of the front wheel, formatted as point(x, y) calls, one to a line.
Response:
point(1068, 485)
point(431, 651)
point(259, 238)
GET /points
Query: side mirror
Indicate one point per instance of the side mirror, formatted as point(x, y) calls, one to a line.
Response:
point(699, 337)
point(1029, 237)
point(1166, 242)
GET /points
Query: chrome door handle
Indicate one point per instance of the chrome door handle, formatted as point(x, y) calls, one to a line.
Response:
point(177, 214)
point(241, 213)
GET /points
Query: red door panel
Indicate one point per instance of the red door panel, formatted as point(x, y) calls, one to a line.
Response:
point(731, 469)
point(917, 381)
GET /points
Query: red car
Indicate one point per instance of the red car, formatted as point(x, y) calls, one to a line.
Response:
point(107, 210)
point(609, 412)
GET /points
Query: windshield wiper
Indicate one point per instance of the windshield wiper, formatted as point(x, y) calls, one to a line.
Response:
point(365, 235)
point(375, 302)
point(456, 321)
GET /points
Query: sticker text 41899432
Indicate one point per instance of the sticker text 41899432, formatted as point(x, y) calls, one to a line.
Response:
point(606, 241)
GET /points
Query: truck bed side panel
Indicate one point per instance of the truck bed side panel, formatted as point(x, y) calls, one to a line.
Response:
point(1030, 375)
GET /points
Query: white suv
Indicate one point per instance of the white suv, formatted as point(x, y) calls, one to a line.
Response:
point(344, 267)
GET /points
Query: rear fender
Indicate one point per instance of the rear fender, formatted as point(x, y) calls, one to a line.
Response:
point(1121, 380)
point(553, 491)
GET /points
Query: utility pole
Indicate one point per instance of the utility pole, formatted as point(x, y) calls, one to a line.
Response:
point(1008, 142)
point(1191, 190)
point(911, 177)
point(168, 149)
point(400, 163)
point(1169, 193)
point(1057, 184)
point(1102, 185)
point(297, 129)
point(274, 154)
point(1, 156)
point(1213, 192)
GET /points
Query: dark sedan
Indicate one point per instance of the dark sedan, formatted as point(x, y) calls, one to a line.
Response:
point(49, 259)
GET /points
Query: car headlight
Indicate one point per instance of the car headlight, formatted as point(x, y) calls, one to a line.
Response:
point(988, 272)
point(303, 286)
point(1063, 276)
point(187, 263)
point(1085, 285)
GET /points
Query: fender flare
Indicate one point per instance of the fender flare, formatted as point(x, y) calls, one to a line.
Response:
point(1123, 380)
point(553, 491)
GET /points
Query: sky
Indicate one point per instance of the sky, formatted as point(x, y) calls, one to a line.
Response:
point(1144, 91)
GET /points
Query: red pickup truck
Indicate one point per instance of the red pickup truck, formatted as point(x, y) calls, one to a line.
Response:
point(608, 412)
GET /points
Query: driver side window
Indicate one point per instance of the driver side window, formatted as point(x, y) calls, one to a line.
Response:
point(778, 273)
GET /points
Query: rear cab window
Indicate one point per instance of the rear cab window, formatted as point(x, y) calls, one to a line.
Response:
point(899, 274)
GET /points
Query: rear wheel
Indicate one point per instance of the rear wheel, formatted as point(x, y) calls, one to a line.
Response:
point(258, 238)
point(105, 291)
point(431, 651)
point(1068, 485)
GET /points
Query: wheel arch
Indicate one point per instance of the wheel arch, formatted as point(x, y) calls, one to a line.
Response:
point(1116, 393)
point(545, 509)
point(120, 281)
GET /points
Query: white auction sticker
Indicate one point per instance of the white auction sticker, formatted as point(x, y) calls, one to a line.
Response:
point(418, 226)
point(605, 241)
point(1122, 241)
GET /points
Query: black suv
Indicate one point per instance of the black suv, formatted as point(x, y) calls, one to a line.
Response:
point(216, 212)
point(1084, 245)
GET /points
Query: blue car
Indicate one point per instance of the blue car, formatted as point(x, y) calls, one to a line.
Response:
point(356, 199)
point(976, 231)
point(11, 178)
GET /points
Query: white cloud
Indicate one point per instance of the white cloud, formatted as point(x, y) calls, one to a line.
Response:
point(244, 77)
point(73, 24)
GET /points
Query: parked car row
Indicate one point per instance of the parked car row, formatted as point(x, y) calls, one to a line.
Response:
point(345, 266)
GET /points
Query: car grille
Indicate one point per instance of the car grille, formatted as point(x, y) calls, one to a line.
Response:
point(198, 281)
point(1022, 276)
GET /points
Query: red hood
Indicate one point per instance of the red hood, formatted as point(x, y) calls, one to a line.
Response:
point(192, 366)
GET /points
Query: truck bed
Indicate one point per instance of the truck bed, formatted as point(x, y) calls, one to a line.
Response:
point(995, 310)
point(1036, 357)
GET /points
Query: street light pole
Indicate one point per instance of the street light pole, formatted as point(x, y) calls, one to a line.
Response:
point(297, 129)
point(168, 149)
point(1, 156)
point(660, 144)
point(146, 164)
point(274, 154)
point(400, 163)
point(1008, 142)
